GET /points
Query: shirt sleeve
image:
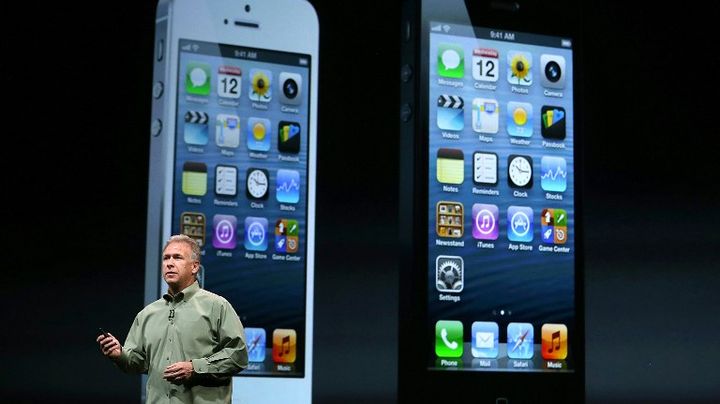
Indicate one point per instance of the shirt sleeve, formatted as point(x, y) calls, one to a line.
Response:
point(133, 358)
point(230, 356)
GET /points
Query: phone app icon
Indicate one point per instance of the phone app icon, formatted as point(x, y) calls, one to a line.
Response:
point(450, 112)
point(284, 345)
point(553, 122)
point(449, 273)
point(224, 232)
point(227, 130)
point(289, 137)
point(291, 86)
point(260, 85)
point(520, 223)
point(257, 183)
point(287, 185)
point(449, 219)
point(226, 180)
point(229, 81)
point(553, 176)
point(449, 339)
point(485, 115)
point(520, 171)
point(485, 167)
point(486, 64)
point(258, 134)
point(519, 68)
point(519, 119)
point(553, 226)
point(287, 236)
point(192, 224)
point(485, 339)
point(194, 178)
point(256, 233)
point(520, 340)
point(485, 221)
point(554, 341)
point(450, 166)
point(197, 78)
point(256, 342)
point(450, 61)
point(553, 71)
point(196, 128)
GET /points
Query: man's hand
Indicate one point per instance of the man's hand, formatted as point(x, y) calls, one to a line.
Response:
point(179, 372)
point(110, 346)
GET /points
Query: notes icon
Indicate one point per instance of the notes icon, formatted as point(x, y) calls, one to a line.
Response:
point(284, 345)
point(194, 178)
point(554, 341)
point(450, 166)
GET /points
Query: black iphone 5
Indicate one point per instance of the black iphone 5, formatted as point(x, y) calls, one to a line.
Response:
point(491, 274)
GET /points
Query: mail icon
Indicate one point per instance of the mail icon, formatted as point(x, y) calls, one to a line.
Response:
point(485, 339)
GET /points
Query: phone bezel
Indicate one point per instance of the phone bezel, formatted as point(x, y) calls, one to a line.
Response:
point(285, 26)
point(415, 380)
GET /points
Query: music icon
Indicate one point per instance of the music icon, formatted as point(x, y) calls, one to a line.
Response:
point(485, 221)
point(554, 341)
point(224, 232)
point(284, 345)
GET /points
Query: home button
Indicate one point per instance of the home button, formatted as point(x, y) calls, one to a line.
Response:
point(502, 400)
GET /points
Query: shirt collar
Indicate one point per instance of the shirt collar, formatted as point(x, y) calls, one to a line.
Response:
point(184, 295)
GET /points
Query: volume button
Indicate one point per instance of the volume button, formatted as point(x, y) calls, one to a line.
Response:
point(156, 127)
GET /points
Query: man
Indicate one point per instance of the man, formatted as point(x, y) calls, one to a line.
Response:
point(190, 342)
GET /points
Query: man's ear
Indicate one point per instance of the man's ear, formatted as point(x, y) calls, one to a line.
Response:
point(196, 268)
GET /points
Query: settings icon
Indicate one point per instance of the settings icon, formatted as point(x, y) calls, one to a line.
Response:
point(449, 273)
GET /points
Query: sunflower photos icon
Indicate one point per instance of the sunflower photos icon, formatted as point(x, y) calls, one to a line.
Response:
point(519, 68)
point(260, 85)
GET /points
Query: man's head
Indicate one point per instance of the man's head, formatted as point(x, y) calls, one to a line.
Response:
point(181, 262)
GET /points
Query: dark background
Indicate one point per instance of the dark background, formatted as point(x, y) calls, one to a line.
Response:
point(77, 82)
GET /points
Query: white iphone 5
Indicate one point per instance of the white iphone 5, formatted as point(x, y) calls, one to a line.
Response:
point(232, 164)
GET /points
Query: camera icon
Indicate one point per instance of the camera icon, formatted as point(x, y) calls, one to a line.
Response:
point(291, 85)
point(553, 71)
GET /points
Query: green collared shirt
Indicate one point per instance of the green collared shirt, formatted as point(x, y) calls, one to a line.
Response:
point(194, 325)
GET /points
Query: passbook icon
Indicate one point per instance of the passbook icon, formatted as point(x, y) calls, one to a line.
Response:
point(450, 166)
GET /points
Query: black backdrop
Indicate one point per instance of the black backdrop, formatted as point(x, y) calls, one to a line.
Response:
point(76, 98)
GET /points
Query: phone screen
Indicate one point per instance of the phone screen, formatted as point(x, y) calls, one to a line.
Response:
point(240, 189)
point(501, 210)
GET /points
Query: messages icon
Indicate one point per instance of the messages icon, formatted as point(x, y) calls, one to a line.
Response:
point(197, 78)
point(450, 61)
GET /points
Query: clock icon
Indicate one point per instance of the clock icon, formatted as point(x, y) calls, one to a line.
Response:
point(257, 183)
point(520, 171)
